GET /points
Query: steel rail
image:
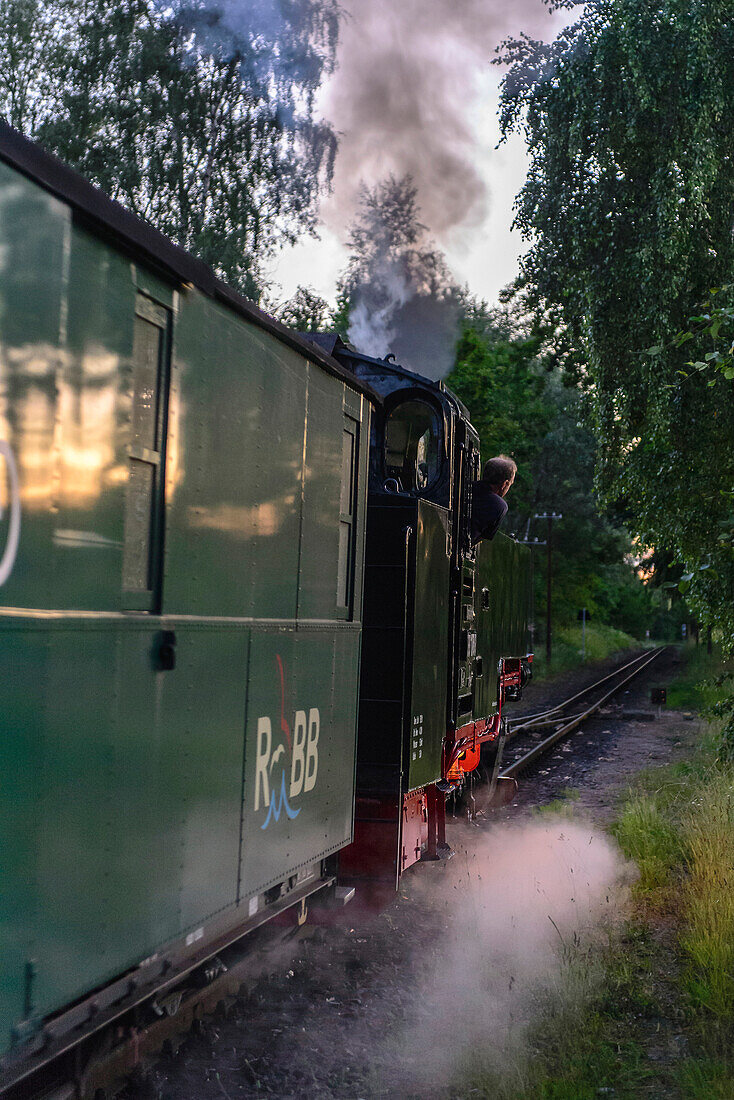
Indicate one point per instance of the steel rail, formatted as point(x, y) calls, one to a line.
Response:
point(568, 727)
point(534, 719)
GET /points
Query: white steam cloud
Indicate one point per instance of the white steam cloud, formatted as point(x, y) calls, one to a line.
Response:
point(520, 907)
point(372, 328)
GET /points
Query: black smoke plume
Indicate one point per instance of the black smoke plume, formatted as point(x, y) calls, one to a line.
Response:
point(402, 297)
point(408, 79)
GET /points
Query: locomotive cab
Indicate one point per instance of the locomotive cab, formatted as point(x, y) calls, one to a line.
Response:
point(443, 623)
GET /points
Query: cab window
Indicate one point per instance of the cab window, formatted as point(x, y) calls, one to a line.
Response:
point(412, 447)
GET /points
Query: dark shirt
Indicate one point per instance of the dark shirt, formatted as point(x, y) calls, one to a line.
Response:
point(488, 509)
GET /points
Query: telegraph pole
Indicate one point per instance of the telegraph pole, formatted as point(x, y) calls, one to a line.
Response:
point(549, 517)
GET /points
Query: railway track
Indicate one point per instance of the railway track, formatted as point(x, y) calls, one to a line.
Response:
point(566, 717)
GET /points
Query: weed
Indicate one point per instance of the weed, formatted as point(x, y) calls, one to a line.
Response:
point(705, 1079)
point(708, 894)
point(646, 835)
point(559, 807)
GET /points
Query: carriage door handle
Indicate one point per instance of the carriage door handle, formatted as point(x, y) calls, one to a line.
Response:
point(166, 655)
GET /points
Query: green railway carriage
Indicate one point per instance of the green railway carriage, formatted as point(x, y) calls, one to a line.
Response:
point(503, 611)
point(183, 492)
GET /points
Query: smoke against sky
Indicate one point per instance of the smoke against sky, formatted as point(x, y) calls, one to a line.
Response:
point(401, 97)
point(403, 298)
point(414, 92)
point(407, 76)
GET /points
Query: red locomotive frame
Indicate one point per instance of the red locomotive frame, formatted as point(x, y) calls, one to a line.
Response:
point(391, 835)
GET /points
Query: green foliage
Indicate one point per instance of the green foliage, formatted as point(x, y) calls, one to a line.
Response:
point(627, 206)
point(339, 321)
point(306, 311)
point(521, 408)
point(35, 41)
point(646, 835)
point(702, 682)
point(715, 328)
point(705, 1079)
point(601, 642)
point(589, 548)
point(503, 385)
point(712, 340)
point(707, 895)
point(203, 127)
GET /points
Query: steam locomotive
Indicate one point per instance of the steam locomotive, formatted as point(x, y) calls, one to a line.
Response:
point(247, 647)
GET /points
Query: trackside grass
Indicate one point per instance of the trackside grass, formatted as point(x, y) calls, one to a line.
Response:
point(601, 642)
point(707, 896)
point(649, 1010)
point(647, 835)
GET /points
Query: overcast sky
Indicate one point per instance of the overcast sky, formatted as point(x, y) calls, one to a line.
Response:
point(414, 92)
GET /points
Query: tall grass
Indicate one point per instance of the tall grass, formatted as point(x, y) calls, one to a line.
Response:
point(647, 835)
point(705, 1079)
point(707, 895)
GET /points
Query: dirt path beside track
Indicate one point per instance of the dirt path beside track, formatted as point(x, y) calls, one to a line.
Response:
point(318, 1026)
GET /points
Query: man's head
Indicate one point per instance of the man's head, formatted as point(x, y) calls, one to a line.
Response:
point(500, 472)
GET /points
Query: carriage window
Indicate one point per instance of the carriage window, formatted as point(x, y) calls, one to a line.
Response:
point(345, 561)
point(412, 446)
point(142, 502)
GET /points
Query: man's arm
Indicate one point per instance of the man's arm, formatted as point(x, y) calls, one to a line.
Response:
point(488, 511)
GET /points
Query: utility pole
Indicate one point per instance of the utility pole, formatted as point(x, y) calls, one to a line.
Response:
point(583, 633)
point(549, 517)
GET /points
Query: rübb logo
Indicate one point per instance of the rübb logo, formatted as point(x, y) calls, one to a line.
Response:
point(289, 768)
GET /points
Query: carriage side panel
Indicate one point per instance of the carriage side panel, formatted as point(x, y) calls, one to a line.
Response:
point(133, 637)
